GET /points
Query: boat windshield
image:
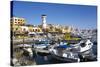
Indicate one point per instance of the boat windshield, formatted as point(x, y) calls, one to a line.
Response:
point(82, 44)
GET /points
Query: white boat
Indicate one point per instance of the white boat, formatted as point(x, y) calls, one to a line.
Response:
point(71, 53)
point(86, 50)
point(27, 47)
point(41, 47)
point(85, 46)
point(41, 44)
point(24, 45)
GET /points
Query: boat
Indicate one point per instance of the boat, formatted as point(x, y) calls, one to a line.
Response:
point(86, 51)
point(72, 52)
point(41, 44)
point(41, 47)
point(27, 48)
point(24, 45)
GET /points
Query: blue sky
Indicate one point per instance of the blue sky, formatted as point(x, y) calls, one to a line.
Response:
point(80, 16)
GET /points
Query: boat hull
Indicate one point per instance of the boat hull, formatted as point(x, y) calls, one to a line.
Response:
point(63, 59)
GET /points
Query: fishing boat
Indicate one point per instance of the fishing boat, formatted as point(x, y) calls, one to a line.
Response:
point(41, 44)
point(72, 52)
point(26, 48)
point(24, 45)
point(41, 47)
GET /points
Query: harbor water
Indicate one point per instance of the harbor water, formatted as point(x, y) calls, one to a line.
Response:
point(50, 60)
point(40, 59)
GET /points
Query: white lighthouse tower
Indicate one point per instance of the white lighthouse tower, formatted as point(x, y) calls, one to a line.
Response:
point(44, 24)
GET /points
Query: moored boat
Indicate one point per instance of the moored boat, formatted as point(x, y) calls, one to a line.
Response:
point(72, 52)
point(41, 47)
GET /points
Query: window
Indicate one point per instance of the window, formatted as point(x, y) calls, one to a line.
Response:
point(18, 22)
point(15, 19)
point(11, 20)
point(82, 44)
point(16, 28)
point(33, 30)
point(89, 44)
point(36, 30)
point(24, 29)
point(18, 19)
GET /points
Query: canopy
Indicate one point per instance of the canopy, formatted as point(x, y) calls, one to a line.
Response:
point(63, 46)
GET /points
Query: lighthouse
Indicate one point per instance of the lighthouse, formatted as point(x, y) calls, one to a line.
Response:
point(44, 24)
